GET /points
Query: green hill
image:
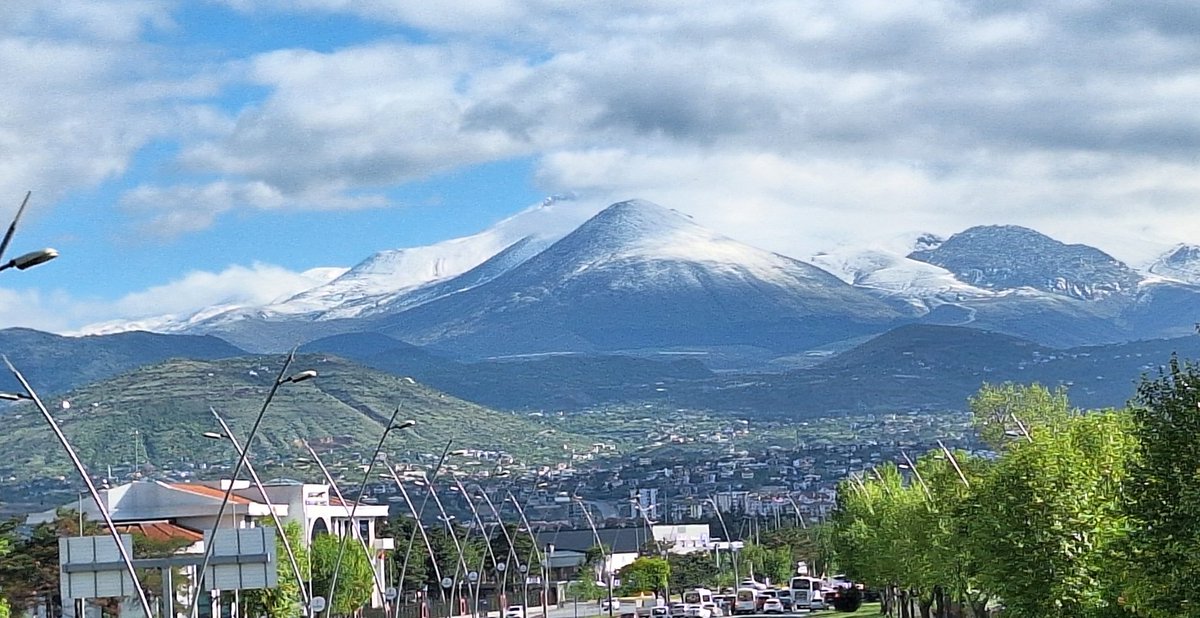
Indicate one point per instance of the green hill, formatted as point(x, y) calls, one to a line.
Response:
point(341, 411)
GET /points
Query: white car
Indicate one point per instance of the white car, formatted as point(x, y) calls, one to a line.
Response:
point(616, 605)
point(514, 611)
point(772, 606)
point(714, 610)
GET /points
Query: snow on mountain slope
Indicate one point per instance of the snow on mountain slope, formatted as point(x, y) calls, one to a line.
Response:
point(640, 275)
point(388, 274)
point(1181, 263)
point(893, 275)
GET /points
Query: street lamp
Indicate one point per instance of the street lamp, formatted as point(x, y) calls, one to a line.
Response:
point(607, 556)
point(31, 259)
point(287, 544)
point(512, 550)
point(31, 395)
point(420, 527)
point(462, 560)
point(28, 260)
point(280, 380)
point(479, 522)
point(337, 565)
point(728, 539)
point(537, 550)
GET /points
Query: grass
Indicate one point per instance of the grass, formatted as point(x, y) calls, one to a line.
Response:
point(868, 609)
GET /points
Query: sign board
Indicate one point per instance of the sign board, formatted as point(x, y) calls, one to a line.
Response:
point(91, 567)
point(242, 558)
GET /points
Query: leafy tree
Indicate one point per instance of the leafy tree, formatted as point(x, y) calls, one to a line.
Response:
point(1043, 526)
point(409, 564)
point(1163, 495)
point(645, 574)
point(995, 410)
point(763, 561)
point(285, 599)
point(355, 581)
point(692, 570)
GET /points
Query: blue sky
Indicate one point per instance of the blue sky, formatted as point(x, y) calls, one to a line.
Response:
point(183, 154)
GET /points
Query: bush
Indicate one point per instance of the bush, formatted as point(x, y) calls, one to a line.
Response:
point(848, 599)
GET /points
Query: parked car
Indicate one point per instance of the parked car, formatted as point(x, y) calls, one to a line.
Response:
point(616, 605)
point(660, 611)
point(772, 606)
point(514, 611)
point(714, 610)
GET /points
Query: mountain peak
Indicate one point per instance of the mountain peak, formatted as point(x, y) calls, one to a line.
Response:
point(1182, 262)
point(1006, 257)
point(640, 217)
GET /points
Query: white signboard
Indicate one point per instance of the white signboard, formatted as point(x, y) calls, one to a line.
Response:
point(242, 558)
point(92, 568)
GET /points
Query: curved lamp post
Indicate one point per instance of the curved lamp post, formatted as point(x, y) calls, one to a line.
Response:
point(287, 544)
point(280, 380)
point(606, 555)
point(79, 467)
point(462, 560)
point(28, 260)
point(650, 536)
point(420, 528)
point(537, 550)
point(487, 539)
point(362, 488)
point(512, 550)
point(732, 553)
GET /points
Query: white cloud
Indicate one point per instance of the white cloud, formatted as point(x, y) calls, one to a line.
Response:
point(237, 285)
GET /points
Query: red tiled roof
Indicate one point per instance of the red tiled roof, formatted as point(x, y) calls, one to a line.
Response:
point(161, 531)
point(210, 492)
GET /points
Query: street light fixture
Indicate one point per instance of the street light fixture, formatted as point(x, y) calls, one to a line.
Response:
point(31, 259)
point(287, 544)
point(280, 380)
point(31, 395)
point(536, 551)
point(28, 260)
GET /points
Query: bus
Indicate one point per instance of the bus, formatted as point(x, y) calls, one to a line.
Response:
point(745, 603)
point(806, 593)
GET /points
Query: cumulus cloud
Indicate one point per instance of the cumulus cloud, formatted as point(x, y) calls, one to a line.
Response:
point(157, 307)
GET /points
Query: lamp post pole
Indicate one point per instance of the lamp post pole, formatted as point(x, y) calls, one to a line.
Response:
point(606, 555)
point(287, 544)
point(362, 488)
point(280, 380)
point(462, 561)
point(124, 552)
point(28, 260)
point(512, 550)
point(732, 552)
point(418, 514)
point(486, 537)
point(536, 551)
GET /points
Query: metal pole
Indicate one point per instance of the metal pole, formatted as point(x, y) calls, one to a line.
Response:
point(954, 463)
point(419, 514)
point(462, 560)
point(536, 549)
point(208, 545)
point(362, 488)
point(607, 556)
point(287, 544)
point(334, 488)
point(512, 550)
point(728, 539)
point(487, 538)
point(87, 480)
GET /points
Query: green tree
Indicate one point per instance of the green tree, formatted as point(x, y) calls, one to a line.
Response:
point(692, 570)
point(996, 408)
point(1163, 495)
point(1044, 525)
point(355, 581)
point(645, 574)
point(285, 599)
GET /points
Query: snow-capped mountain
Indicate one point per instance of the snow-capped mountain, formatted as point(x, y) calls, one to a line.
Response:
point(1181, 263)
point(639, 276)
point(1009, 257)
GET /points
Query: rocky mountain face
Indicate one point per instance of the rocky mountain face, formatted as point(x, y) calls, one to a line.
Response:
point(1181, 263)
point(1007, 257)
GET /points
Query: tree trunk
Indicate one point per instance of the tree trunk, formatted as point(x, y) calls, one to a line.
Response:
point(926, 605)
point(905, 605)
point(885, 606)
point(979, 609)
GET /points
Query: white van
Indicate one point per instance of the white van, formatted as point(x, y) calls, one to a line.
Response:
point(807, 593)
point(745, 603)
